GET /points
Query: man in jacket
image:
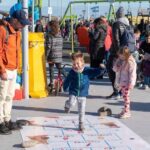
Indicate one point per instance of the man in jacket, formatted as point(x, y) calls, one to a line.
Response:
point(10, 46)
point(118, 29)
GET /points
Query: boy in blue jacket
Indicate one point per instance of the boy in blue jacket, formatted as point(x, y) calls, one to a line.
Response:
point(78, 83)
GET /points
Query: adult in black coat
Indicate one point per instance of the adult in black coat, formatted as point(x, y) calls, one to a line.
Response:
point(118, 29)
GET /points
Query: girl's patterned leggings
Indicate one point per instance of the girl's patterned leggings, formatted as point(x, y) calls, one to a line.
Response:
point(125, 93)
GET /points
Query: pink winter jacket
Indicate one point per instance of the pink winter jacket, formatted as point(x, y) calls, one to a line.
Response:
point(126, 72)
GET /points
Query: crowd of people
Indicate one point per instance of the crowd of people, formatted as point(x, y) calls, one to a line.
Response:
point(104, 39)
point(120, 49)
point(120, 46)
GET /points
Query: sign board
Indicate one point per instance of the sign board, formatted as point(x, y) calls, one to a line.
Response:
point(111, 0)
point(50, 10)
point(95, 9)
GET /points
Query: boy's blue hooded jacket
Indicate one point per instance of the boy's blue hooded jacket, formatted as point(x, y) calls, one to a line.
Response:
point(78, 83)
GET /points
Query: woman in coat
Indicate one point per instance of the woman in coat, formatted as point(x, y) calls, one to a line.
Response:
point(54, 45)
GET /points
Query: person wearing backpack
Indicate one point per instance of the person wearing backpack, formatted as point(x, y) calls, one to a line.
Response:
point(10, 47)
point(120, 30)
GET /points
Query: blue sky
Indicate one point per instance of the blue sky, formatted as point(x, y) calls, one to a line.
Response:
point(77, 9)
point(5, 5)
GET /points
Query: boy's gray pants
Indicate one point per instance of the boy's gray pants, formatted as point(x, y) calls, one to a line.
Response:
point(81, 105)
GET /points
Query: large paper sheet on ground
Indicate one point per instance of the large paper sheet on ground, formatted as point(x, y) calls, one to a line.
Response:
point(61, 133)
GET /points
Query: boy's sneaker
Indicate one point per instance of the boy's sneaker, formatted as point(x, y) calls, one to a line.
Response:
point(4, 130)
point(124, 115)
point(81, 127)
point(12, 125)
point(67, 110)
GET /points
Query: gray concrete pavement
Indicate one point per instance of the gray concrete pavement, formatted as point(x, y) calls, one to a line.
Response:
point(140, 106)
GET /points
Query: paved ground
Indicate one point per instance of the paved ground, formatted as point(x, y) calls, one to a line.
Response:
point(139, 123)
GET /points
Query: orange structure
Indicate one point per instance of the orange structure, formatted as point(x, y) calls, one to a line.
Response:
point(83, 37)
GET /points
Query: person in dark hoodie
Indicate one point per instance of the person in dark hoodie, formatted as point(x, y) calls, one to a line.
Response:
point(118, 30)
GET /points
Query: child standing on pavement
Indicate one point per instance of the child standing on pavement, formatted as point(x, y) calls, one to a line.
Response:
point(78, 83)
point(125, 67)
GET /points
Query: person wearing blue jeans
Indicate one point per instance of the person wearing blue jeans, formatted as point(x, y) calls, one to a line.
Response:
point(147, 81)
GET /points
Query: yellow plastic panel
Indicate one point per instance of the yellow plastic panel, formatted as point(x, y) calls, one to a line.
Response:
point(37, 66)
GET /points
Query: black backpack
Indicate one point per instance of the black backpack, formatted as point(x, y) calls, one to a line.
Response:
point(128, 38)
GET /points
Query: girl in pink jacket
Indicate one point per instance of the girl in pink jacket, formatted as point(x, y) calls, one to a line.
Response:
point(125, 68)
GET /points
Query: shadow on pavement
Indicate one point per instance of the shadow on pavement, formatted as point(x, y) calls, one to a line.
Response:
point(89, 96)
point(104, 81)
point(49, 110)
point(96, 97)
point(24, 108)
point(135, 106)
point(18, 146)
point(115, 103)
point(139, 106)
point(100, 83)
